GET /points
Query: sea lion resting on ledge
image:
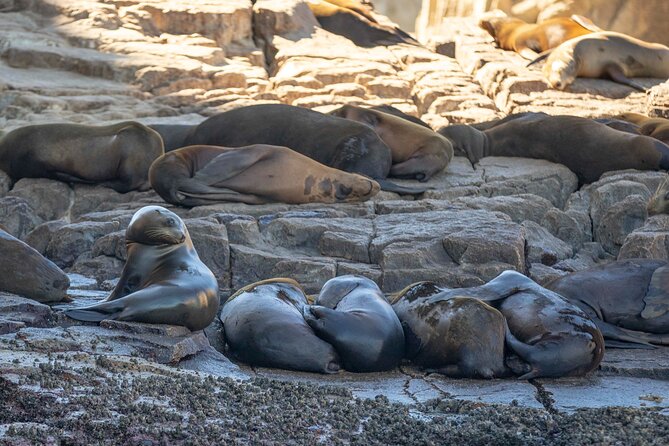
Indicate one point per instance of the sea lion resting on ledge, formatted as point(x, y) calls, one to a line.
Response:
point(202, 175)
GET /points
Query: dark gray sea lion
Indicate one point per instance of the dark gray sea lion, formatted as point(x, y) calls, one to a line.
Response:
point(116, 156)
point(627, 299)
point(27, 273)
point(657, 128)
point(264, 327)
point(352, 314)
point(399, 113)
point(620, 125)
point(173, 135)
point(163, 281)
point(336, 142)
point(201, 175)
point(586, 147)
point(460, 337)
point(417, 152)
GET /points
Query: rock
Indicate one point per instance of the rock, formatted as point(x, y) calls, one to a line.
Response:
point(5, 183)
point(651, 241)
point(112, 244)
point(572, 226)
point(587, 257)
point(40, 237)
point(543, 247)
point(70, 241)
point(17, 312)
point(102, 268)
point(50, 199)
point(17, 216)
point(211, 243)
point(620, 220)
point(289, 19)
point(607, 195)
point(518, 207)
point(542, 274)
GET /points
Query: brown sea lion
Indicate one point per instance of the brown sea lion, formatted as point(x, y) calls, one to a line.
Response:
point(399, 113)
point(336, 142)
point(627, 299)
point(202, 175)
point(29, 274)
point(264, 327)
point(173, 135)
point(460, 337)
point(163, 280)
point(657, 128)
point(551, 336)
point(116, 156)
point(355, 26)
point(417, 152)
point(659, 202)
point(586, 147)
point(605, 55)
point(529, 40)
point(353, 315)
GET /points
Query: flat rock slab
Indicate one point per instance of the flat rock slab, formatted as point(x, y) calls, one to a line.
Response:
point(636, 362)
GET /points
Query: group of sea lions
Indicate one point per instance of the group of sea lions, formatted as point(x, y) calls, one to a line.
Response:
point(575, 47)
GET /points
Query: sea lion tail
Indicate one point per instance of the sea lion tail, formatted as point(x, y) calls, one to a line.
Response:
point(541, 57)
point(402, 190)
point(524, 351)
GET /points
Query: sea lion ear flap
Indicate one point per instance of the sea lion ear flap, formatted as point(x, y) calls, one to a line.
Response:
point(657, 297)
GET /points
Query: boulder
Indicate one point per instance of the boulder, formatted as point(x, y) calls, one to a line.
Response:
point(18, 216)
point(650, 241)
point(50, 199)
point(70, 241)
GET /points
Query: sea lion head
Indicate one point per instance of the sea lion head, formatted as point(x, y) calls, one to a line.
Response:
point(363, 153)
point(659, 202)
point(494, 25)
point(155, 225)
point(560, 70)
point(466, 140)
point(355, 188)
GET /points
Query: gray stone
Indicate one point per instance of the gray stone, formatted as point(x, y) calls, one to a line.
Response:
point(542, 274)
point(40, 237)
point(18, 312)
point(588, 256)
point(5, 183)
point(70, 241)
point(607, 195)
point(17, 216)
point(652, 363)
point(619, 220)
point(518, 207)
point(572, 226)
point(211, 243)
point(543, 247)
point(123, 217)
point(112, 245)
point(346, 245)
point(650, 241)
point(372, 272)
point(50, 199)
point(243, 232)
point(102, 268)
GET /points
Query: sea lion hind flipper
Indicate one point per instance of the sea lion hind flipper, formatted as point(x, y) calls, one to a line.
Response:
point(540, 58)
point(657, 298)
point(623, 336)
point(528, 53)
point(389, 186)
point(90, 314)
point(228, 165)
point(611, 343)
point(617, 75)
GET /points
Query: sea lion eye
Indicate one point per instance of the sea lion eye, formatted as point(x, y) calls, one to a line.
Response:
point(171, 222)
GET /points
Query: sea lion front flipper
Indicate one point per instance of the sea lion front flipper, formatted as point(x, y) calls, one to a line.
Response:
point(228, 165)
point(586, 23)
point(527, 53)
point(617, 75)
point(657, 297)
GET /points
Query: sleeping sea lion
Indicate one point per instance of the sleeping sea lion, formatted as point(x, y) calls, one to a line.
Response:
point(529, 40)
point(586, 147)
point(173, 135)
point(116, 156)
point(264, 327)
point(417, 152)
point(459, 337)
point(399, 113)
point(627, 299)
point(657, 128)
point(352, 314)
point(202, 175)
point(336, 142)
point(605, 54)
point(163, 280)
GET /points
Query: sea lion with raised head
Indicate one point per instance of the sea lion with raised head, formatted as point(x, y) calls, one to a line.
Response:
point(29, 274)
point(116, 156)
point(353, 315)
point(586, 147)
point(163, 280)
point(417, 152)
point(605, 55)
point(627, 299)
point(529, 40)
point(264, 326)
point(460, 337)
point(336, 142)
point(202, 175)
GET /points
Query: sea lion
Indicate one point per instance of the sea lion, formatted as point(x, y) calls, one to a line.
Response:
point(336, 142)
point(586, 147)
point(417, 152)
point(116, 156)
point(355, 26)
point(620, 125)
point(264, 327)
point(202, 175)
point(460, 337)
point(657, 128)
point(529, 40)
point(399, 113)
point(627, 299)
point(163, 281)
point(352, 314)
point(605, 54)
point(173, 135)
point(659, 202)
point(29, 274)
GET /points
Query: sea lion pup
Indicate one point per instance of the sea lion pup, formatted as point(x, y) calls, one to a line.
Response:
point(459, 337)
point(605, 54)
point(173, 135)
point(264, 327)
point(659, 202)
point(352, 314)
point(417, 152)
point(356, 27)
point(657, 128)
point(163, 281)
point(29, 274)
point(116, 156)
point(627, 299)
point(529, 40)
point(202, 175)
point(586, 147)
point(336, 142)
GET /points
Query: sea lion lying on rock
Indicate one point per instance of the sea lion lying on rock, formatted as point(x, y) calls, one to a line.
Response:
point(163, 281)
point(352, 314)
point(264, 327)
point(202, 175)
point(627, 299)
point(657, 128)
point(116, 156)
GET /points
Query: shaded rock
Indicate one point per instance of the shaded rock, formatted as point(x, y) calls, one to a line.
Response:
point(588, 256)
point(573, 227)
point(5, 183)
point(518, 207)
point(17, 312)
point(604, 197)
point(211, 243)
point(650, 241)
point(17, 216)
point(112, 245)
point(620, 220)
point(40, 237)
point(542, 274)
point(50, 199)
point(102, 267)
point(372, 272)
point(543, 247)
point(70, 241)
